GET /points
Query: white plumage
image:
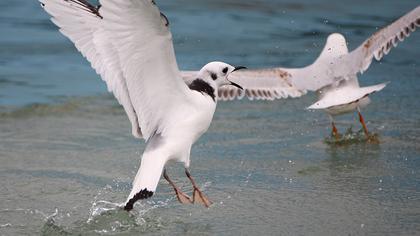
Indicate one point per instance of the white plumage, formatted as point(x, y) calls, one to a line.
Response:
point(263, 84)
point(333, 64)
point(129, 44)
point(333, 75)
point(84, 27)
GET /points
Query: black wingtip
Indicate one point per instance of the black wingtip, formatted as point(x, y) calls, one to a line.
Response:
point(143, 194)
point(87, 6)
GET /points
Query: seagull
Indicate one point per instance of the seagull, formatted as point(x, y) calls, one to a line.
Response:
point(333, 75)
point(129, 44)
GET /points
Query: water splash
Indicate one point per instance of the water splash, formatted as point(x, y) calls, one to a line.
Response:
point(21, 214)
point(107, 217)
point(5, 225)
point(352, 137)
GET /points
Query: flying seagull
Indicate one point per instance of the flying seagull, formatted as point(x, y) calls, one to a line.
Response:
point(129, 44)
point(333, 75)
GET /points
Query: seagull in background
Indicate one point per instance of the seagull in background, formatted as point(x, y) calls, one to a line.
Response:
point(129, 44)
point(333, 75)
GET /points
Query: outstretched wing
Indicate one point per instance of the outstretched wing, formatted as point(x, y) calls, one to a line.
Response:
point(378, 45)
point(81, 22)
point(143, 42)
point(334, 63)
point(340, 65)
point(121, 40)
point(265, 84)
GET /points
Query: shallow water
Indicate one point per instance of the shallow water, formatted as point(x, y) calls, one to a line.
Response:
point(67, 157)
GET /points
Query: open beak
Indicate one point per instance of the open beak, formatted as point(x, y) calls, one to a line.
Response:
point(235, 84)
point(239, 68)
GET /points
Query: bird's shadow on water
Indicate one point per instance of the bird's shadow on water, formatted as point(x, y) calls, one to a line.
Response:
point(344, 158)
point(354, 155)
point(350, 151)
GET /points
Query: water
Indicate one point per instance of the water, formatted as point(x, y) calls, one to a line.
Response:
point(67, 158)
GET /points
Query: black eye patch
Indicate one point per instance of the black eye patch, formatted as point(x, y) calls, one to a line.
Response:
point(213, 76)
point(225, 70)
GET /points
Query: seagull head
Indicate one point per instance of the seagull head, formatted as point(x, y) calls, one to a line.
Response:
point(217, 73)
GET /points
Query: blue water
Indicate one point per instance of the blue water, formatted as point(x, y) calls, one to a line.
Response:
point(66, 153)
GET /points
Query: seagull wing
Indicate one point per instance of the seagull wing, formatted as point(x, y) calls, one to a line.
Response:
point(82, 24)
point(141, 37)
point(119, 47)
point(265, 84)
point(378, 45)
point(336, 64)
point(333, 65)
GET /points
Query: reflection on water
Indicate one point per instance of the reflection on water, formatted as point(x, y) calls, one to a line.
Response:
point(358, 155)
point(67, 157)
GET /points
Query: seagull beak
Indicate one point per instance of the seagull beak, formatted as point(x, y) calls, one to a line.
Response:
point(236, 85)
point(239, 68)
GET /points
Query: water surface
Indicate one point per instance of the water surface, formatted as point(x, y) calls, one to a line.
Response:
point(67, 157)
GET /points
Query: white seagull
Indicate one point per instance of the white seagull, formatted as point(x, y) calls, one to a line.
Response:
point(129, 44)
point(333, 75)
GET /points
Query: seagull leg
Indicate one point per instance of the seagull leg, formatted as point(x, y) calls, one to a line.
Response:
point(362, 121)
point(334, 129)
point(198, 196)
point(182, 197)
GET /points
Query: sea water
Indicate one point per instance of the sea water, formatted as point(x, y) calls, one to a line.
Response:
point(67, 157)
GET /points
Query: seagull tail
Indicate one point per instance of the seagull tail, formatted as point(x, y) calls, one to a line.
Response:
point(147, 177)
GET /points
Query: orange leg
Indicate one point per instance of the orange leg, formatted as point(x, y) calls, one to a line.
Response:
point(182, 197)
point(334, 130)
point(362, 121)
point(198, 196)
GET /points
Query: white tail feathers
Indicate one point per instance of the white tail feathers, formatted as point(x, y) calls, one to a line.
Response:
point(147, 177)
point(346, 94)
